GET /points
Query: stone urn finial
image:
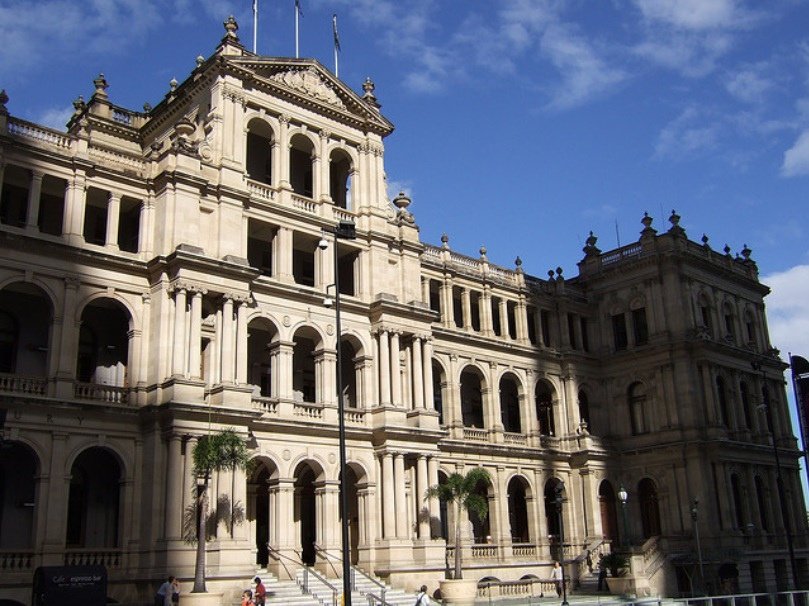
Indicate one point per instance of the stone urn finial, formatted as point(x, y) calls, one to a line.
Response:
point(101, 86)
point(445, 241)
point(401, 201)
point(231, 27)
point(3, 101)
point(369, 97)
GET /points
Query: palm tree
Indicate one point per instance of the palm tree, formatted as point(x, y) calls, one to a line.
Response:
point(224, 450)
point(460, 490)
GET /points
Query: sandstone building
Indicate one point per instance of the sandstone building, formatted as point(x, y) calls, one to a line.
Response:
point(162, 278)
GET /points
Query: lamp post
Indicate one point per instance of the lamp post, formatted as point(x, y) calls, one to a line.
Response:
point(560, 489)
point(623, 496)
point(345, 230)
point(779, 482)
point(695, 520)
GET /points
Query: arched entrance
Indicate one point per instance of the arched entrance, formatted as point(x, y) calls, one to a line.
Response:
point(305, 511)
point(609, 513)
point(93, 502)
point(649, 508)
point(552, 514)
point(518, 510)
point(18, 468)
point(259, 515)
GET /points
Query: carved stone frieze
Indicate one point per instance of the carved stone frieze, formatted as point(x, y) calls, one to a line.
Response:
point(308, 82)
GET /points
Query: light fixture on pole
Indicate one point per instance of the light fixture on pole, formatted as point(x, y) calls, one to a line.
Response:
point(695, 520)
point(345, 230)
point(623, 496)
point(559, 499)
point(779, 481)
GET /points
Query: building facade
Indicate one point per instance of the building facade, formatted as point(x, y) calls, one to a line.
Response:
point(163, 277)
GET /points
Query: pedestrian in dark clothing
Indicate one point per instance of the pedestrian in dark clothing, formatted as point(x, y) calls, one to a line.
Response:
point(602, 574)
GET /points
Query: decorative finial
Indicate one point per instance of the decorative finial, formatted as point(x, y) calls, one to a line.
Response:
point(590, 249)
point(401, 201)
point(101, 85)
point(3, 101)
point(705, 240)
point(559, 271)
point(727, 250)
point(231, 27)
point(746, 252)
point(445, 241)
point(482, 251)
point(647, 220)
point(79, 105)
point(200, 61)
point(173, 84)
point(147, 108)
point(674, 219)
point(518, 262)
point(369, 97)
point(550, 276)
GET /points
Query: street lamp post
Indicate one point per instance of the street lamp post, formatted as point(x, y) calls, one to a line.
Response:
point(345, 230)
point(779, 482)
point(560, 489)
point(623, 496)
point(695, 520)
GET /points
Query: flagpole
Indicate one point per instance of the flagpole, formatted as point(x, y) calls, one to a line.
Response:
point(255, 26)
point(336, 45)
point(297, 11)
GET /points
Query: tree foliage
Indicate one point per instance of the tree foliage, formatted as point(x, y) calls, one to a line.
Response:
point(220, 451)
point(461, 491)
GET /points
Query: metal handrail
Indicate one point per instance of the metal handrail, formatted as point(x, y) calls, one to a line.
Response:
point(307, 570)
point(279, 557)
point(382, 586)
point(375, 600)
point(328, 558)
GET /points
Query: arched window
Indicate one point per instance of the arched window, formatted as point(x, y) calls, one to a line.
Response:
point(544, 399)
point(93, 502)
point(584, 409)
point(472, 398)
point(510, 404)
point(704, 320)
point(649, 508)
point(518, 510)
point(722, 397)
point(259, 151)
point(301, 153)
point(340, 178)
point(637, 408)
point(439, 383)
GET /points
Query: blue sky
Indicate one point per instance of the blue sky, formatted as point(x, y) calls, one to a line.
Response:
point(521, 124)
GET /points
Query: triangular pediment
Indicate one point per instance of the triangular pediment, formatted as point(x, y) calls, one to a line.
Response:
point(308, 82)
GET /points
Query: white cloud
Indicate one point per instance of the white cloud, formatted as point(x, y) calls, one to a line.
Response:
point(750, 84)
point(686, 135)
point(787, 311)
point(796, 158)
point(55, 117)
point(695, 15)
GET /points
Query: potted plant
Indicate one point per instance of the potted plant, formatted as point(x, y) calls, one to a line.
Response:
point(618, 565)
point(223, 450)
point(461, 492)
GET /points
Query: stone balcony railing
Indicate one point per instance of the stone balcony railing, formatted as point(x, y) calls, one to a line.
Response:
point(111, 394)
point(32, 386)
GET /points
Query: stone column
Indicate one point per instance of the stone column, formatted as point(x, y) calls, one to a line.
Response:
point(113, 218)
point(195, 339)
point(427, 373)
point(425, 283)
point(418, 374)
point(321, 186)
point(432, 504)
point(384, 368)
point(446, 303)
point(174, 488)
point(53, 507)
point(282, 255)
point(179, 351)
point(144, 221)
point(241, 341)
point(34, 194)
point(521, 319)
point(388, 497)
point(400, 498)
point(395, 370)
point(75, 206)
point(422, 509)
point(283, 140)
point(503, 309)
point(227, 339)
point(466, 309)
point(485, 307)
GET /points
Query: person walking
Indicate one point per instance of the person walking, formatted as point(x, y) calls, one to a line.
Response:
point(556, 577)
point(164, 593)
point(261, 592)
point(422, 599)
point(602, 574)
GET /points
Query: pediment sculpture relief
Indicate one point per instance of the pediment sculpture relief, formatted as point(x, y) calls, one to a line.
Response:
point(309, 82)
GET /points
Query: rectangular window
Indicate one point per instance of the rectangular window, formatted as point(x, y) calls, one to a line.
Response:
point(571, 330)
point(532, 325)
point(585, 338)
point(641, 330)
point(496, 317)
point(545, 325)
point(619, 334)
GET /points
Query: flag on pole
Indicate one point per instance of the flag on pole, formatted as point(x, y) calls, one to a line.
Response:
point(336, 37)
